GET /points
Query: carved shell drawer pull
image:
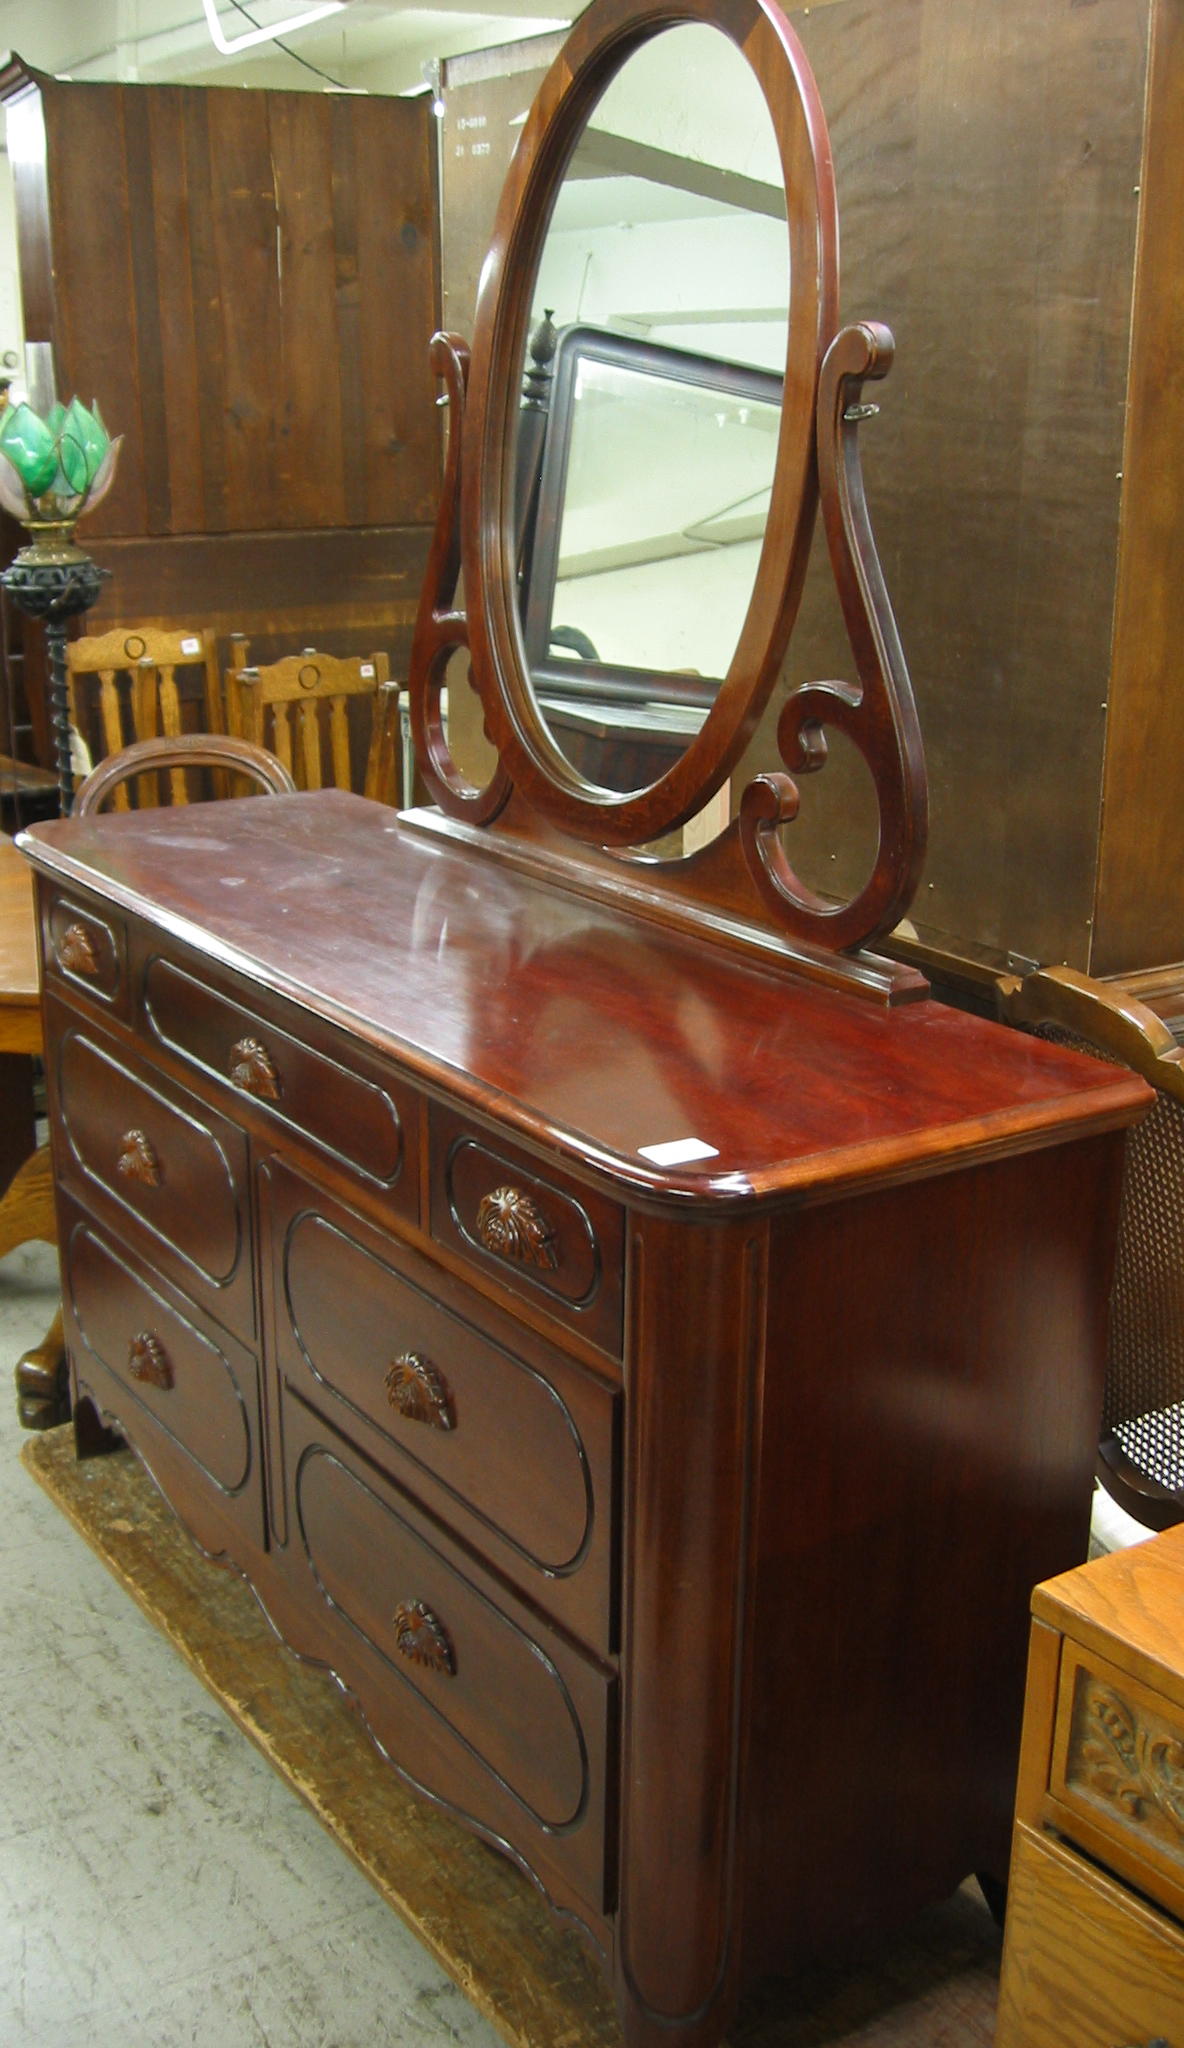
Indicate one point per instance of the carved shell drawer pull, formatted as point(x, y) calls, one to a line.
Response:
point(513, 1226)
point(422, 1638)
point(419, 1392)
point(253, 1069)
point(147, 1361)
point(137, 1159)
point(76, 952)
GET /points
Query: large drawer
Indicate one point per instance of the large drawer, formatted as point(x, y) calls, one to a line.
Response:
point(472, 1696)
point(1085, 1966)
point(494, 1429)
point(298, 1071)
point(169, 1168)
point(543, 1234)
point(186, 1395)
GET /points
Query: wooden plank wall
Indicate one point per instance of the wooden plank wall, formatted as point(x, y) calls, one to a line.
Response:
point(247, 282)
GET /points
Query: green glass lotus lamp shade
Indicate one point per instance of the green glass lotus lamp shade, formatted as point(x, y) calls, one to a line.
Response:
point(52, 470)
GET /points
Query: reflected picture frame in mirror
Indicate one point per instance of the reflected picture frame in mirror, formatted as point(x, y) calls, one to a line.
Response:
point(817, 457)
point(651, 680)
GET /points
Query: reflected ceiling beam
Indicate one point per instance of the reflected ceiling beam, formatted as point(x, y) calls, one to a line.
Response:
point(601, 155)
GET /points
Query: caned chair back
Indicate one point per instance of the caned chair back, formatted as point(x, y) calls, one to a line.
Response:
point(298, 708)
point(127, 685)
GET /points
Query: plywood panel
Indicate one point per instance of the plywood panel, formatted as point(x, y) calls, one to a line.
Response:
point(1140, 909)
point(986, 163)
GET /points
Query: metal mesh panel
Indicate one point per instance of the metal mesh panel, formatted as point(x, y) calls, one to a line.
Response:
point(1144, 1401)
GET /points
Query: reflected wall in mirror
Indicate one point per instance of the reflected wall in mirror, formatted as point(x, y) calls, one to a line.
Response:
point(639, 561)
point(643, 498)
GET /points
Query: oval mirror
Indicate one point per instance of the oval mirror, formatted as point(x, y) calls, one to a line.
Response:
point(639, 490)
point(647, 439)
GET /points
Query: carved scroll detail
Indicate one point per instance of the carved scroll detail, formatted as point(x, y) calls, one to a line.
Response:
point(419, 1392)
point(513, 1226)
point(440, 629)
point(137, 1160)
point(253, 1069)
point(76, 951)
point(878, 715)
point(147, 1361)
point(422, 1638)
point(1129, 1759)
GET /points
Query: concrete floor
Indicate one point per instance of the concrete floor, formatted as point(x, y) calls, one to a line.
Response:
point(160, 1887)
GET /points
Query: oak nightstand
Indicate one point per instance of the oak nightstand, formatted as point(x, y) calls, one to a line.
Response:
point(1094, 1951)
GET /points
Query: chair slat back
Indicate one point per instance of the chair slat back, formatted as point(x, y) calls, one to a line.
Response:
point(134, 673)
point(299, 708)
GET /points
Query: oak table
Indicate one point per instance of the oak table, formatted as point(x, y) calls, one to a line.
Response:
point(26, 1207)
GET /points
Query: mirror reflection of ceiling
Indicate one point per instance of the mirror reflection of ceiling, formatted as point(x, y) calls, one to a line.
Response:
point(369, 46)
point(670, 223)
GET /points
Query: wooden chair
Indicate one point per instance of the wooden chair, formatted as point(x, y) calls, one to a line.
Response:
point(298, 707)
point(1141, 1451)
point(124, 686)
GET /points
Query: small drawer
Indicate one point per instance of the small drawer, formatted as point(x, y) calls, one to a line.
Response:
point(1117, 1773)
point(543, 1235)
point(473, 1696)
point(1083, 1965)
point(171, 1170)
point(85, 947)
point(351, 1108)
point(173, 1387)
point(500, 1435)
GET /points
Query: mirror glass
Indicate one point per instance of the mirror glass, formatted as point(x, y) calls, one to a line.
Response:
point(651, 406)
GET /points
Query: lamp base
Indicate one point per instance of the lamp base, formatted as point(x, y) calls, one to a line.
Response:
point(53, 579)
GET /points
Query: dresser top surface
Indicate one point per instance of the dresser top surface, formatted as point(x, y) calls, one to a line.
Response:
point(580, 1025)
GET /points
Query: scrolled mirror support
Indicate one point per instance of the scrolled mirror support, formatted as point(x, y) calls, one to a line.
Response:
point(440, 628)
point(878, 716)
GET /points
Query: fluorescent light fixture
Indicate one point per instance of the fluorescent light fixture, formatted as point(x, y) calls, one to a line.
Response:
point(230, 45)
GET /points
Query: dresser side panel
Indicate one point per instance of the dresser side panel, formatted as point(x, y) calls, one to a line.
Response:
point(932, 1397)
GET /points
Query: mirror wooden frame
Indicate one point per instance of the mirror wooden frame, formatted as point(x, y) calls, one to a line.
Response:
point(817, 459)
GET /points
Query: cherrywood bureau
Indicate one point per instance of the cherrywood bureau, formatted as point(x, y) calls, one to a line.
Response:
point(672, 1524)
point(1094, 1955)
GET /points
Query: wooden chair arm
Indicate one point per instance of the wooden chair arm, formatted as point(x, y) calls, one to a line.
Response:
point(1104, 1015)
point(191, 750)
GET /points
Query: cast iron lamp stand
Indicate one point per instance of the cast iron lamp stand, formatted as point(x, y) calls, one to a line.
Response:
point(53, 580)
